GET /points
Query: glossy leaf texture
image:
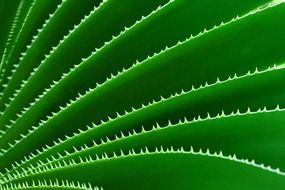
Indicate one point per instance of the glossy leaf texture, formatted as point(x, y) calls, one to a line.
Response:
point(129, 94)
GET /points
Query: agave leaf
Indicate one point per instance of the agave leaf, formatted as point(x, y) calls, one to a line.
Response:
point(173, 169)
point(7, 20)
point(226, 133)
point(137, 84)
point(15, 25)
point(48, 36)
point(186, 104)
point(86, 37)
point(34, 15)
point(147, 31)
point(90, 89)
point(44, 184)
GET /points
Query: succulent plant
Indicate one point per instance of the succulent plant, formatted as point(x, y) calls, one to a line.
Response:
point(153, 94)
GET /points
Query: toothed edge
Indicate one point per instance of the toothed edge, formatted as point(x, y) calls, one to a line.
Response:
point(126, 29)
point(53, 49)
point(135, 64)
point(28, 47)
point(17, 38)
point(235, 77)
point(28, 170)
point(144, 106)
point(10, 35)
point(149, 57)
point(40, 184)
point(24, 53)
point(145, 151)
point(75, 27)
point(133, 133)
point(153, 56)
point(64, 74)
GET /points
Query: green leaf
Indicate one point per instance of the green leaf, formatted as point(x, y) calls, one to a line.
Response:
point(167, 170)
point(34, 13)
point(142, 94)
point(146, 68)
point(115, 55)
